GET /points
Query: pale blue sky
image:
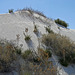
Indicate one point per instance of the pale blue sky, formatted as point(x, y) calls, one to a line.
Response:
point(63, 9)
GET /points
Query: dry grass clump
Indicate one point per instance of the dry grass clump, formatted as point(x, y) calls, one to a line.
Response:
point(33, 11)
point(61, 45)
point(7, 55)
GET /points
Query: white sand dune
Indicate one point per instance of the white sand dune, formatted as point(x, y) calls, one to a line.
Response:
point(13, 24)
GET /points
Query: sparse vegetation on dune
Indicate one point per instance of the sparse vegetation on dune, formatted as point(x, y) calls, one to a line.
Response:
point(47, 45)
point(33, 11)
point(37, 64)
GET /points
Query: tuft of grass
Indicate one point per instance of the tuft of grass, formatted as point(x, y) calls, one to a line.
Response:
point(48, 30)
point(26, 54)
point(27, 37)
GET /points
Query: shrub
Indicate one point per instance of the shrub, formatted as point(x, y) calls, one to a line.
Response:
point(26, 54)
point(61, 45)
point(11, 11)
point(63, 23)
point(27, 37)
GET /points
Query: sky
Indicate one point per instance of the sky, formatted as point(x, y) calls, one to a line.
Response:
point(62, 9)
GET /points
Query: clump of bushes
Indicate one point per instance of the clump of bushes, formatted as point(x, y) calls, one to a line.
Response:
point(10, 10)
point(61, 45)
point(63, 23)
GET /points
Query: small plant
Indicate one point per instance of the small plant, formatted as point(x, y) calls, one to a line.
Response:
point(35, 28)
point(48, 30)
point(18, 51)
point(26, 54)
point(27, 37)
point(11, 11)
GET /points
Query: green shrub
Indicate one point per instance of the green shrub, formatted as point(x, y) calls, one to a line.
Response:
point(49, 53)
point(26, 54)
point(11, 11)
point(27, 37)
point(63, 23)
